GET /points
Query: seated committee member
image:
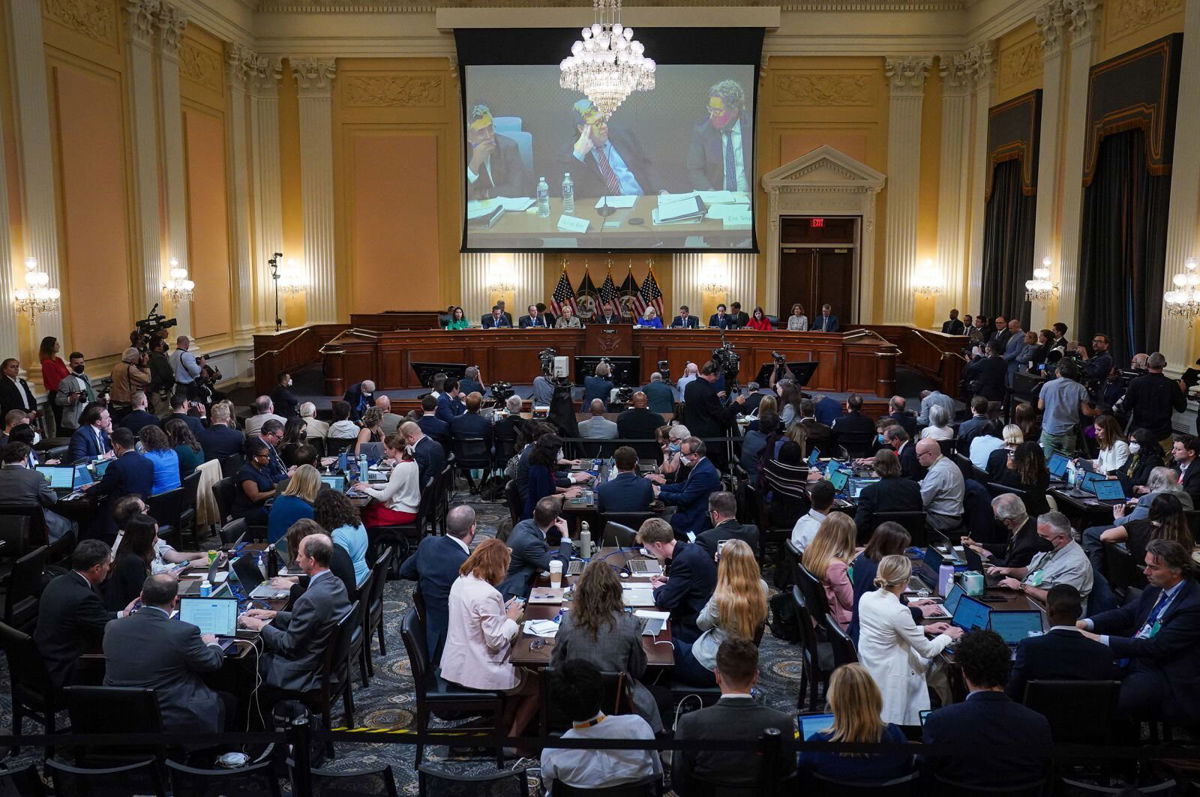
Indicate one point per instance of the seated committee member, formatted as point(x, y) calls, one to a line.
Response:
point(533, 319)
point(721, 319)
point(568, 319)
point(1002, 743)
point(435, 568)
point(797, 321)
point(1063, 653)
point(685, 320)
point(691, 577)
point(690, 497)
point(605, 159)
point(722, 513)
point(496, 319)
point(531, 554)
point(825, 322)
point(1065, 563)
point(720, 156)
point(295, 641)
point(149, 650)
point(609, 315)
point(494, 166)
point(1158, 633)
point(759, 321)
point(892, 493)
point(650, 318)
point(737, 715)
point(627, 491)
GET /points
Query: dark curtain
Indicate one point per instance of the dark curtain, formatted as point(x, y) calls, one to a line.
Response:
point(1008, 244)
point(1123, 251)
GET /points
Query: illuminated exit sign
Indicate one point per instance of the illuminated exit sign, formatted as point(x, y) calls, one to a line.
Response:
point(814, 223)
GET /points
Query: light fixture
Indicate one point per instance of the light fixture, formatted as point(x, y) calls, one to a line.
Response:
point(1184, 301)
point(926, 282)
point(291, 278)
point(38, 296)
point(500, 275)
point(715, 279)
point(178, 288)
point(607, 65)
point(1040, 289)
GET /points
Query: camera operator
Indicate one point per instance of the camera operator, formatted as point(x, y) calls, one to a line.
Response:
point(186, 368)
point(162, 379)
point(702, 410)
point(131, 375)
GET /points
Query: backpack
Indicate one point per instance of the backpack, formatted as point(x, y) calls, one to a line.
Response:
point(784, 620)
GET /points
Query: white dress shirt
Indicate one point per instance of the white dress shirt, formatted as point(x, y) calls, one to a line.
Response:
point(594, 769)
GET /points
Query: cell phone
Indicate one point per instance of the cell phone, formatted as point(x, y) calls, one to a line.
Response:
point(992, 598)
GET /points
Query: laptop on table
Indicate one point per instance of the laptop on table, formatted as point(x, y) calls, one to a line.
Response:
point(248, 574)
point(216, 616)
point(1057, 465)
point(192, 586)
point(60, 477)
point(1110, 490)
point(1017, 625)
point(946, 609)
point(970, 614)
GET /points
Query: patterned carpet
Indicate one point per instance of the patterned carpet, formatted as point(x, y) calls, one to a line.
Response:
point(389, 703)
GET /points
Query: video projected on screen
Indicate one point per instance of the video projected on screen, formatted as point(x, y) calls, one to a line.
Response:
point(673, 168)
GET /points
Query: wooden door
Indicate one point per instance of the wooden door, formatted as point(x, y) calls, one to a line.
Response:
point(817, 276)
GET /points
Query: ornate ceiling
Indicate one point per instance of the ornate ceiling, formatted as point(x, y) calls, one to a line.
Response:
point(425, 6)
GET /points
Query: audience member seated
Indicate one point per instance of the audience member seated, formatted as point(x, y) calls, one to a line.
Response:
point(898, 411)
point(128, 473)
point(690, 498)
point(939, 427)
point(180, 407)
point(138, 418)
point(598, 386)
point(1114, 446)
point(906, 451)
point(978, 425)
point(722, 513)
point(888, 539)
point(691, 576)
point(543, 391)
point(760, 439)
point(449, 403)
point(857, 707)
point(432, 425)
point(184, 444)
point(822, 496)
point(295, 503)
point(1026, 471)
point(1162, 481)
point(24, 433)
point(600, 632)
point(1023, 541)
point(531, 549)
point(22, 487)
point(737, 715)
point(983, 445)
point(1000, 743)
point(1184, 451)
point(1145, 454)
point(542, 482)
point(342, 427)
point(165, 555)
point(828, 558)
point(943, 488)
point(1063, 653)
point(1158, 633)
point(428, 453)
point(819, 435)
point(371, 430)
point(316, 427)
point(506, 427)
point(264, 410)
point(892, 493)
point(295, 434)
point(220, 440)
point(435, 567)
point(471, 424)
point(1166, 521)
point(132, 563)
point(640, 421)
point(157, 448)
point(284, 398)
point(736, 610)
point(91, 439)
point(1066, 563)
point(659, 396)
point(996, 464)
point(854, 426)
point(673, 468)
point(597, 427)
point(253, 484)
point(340, 564)
point(481, 631)
point(334, 512)
point(395, 503)
point(628, 491)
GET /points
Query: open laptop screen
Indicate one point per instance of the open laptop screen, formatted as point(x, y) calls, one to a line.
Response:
point(838, 479)
point(971, 614)
point(1015, 626)
point(813, 723)
point(1057, 465)
point(211, 615)
point(59, 478)
point(952, 599)
point(1109, 490)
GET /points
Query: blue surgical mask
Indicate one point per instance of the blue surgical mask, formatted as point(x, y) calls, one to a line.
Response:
point(881, 439)
point(673, 447)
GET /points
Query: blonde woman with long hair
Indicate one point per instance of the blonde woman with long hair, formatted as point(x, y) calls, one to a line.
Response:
point(828, 558)
point(737, 608)
point(856, 703)
point(894, 648)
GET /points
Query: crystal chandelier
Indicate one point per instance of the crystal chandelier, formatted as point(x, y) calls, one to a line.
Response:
point(178, 288)
point(1185, 300)
point(607, 65)
point(927, 283)
point(1040, 289)
point(37, 297)
point(291, 278)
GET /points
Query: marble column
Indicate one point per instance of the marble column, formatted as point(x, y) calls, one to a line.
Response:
point(239, 62)
point(953, 180)
point(1082, 21)
point(265, 74)
point(315, 79)
point(171, 23)
point(39, 191)
point(1183, 221)
point(980, 64)
point(9, 341)
point(144, 125)
point(1050, 21)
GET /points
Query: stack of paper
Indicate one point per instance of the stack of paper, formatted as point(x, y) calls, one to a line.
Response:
point(542, 628)
point(616, 201)
point(637, 596)
point(684, 211)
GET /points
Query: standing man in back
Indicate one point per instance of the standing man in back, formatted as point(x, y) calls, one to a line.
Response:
point(435, 567)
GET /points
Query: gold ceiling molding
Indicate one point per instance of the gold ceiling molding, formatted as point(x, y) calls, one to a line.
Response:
point(96, 19)
point(1020, 63)
point(1131, 15)
point(823, 90)
point(430, 6)
point(389, 91)
point(200, 65)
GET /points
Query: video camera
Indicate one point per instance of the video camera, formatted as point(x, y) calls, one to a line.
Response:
point(729, 362)
point(546, 358)
point(779, 359)
point(664, 368)
point(501, 391)
point(154, 325)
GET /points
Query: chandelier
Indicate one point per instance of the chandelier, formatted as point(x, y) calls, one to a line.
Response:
point(37, 297)
point(1040, 289)
point(927, 282)
point(607, 65)
point(1185, 300)
point(178, 288)
point(291, 278)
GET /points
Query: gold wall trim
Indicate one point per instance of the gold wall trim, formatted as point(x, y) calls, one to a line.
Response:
point(825, 90)
point(1128, 16)
point(201, 65)
point(387, 91)
point(1020, 64)
point(96, 19)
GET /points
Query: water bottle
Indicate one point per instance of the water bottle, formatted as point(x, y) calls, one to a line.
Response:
point(543, 198)
point(945, 579)
point(585, 541)
point(362, 466)
point(568, 193)
point(1072, 474)
point(205, 588)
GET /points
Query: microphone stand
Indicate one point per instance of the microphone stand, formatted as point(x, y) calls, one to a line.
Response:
point(273, 263)
point(604, 211)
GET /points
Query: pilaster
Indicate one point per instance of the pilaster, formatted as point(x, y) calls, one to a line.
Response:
point(980, 62)
point(907, 77)
point(144, 126)
point(171, 23)
point(239, 62)
point(314, 77)
point(264, 74)
point(9, 341)
point(953, 179)
point(1051, 22)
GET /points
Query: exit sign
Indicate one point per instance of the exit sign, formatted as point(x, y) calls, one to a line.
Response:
point(814, 223)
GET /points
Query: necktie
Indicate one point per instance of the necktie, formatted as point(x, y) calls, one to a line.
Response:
point(606, 171)
point(730, 166)
point(1152, 618)
point(99, 442)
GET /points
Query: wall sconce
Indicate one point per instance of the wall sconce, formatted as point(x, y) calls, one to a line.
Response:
point(500, 275)
point(714, 278)
point(1040, 289)
point(291, 278)
point(927, 283)
point(38, 296)
point(178, 288)
point(1184, 301)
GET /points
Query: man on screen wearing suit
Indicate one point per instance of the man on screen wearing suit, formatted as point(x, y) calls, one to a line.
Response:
point(435, 568)
point(722, 150)
point(494, 165)
point(496, 320)
point(605, 160)
point(825, 322)
point(685, 320)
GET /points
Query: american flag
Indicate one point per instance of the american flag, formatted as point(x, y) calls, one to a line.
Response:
point(608, 291)
point(564, 295)
point(650, 296)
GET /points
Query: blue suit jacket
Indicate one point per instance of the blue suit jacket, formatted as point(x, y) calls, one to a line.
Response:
point(449, 407)
point(435, 567)
point(998, 738)
point(692, 322)
point(128, 473)
point(471, 424)
point(530, 555)
point(690, 498)
point(220, 441)
point(693, 577)
point(722, 322)
point(629, 492)
point(491, 323)
point(434, 427)
point(820, 324)
point(84, 446)
point(430, 457)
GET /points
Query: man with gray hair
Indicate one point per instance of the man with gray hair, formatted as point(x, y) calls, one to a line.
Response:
point(1152, 398)
point(315, 426)
point(597, 427)
point(659, 394)
point(1023, 541)
point(1161, 480)
point(264, 410)
point(1064, 563)
point(434, 567)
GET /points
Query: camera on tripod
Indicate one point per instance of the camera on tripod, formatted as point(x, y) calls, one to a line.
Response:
point(779, 359)
point(154, 325)
point(664, 368)
point(501, 391)
point(728, 361)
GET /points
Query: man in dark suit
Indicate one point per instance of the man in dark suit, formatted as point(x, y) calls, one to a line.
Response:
point(284, 399)
point(702, 411)
point(430, 423)
point(295, 641)
point(721, 155)
point(1002, 743)
point(690, 497)
point(360, 396)
point(91, 439)
point(149, 650)
point(22, 487)
point(179, 404)
point(449, 403)
point(854, 430)
point(825, 322)
point(954, 326)
point(129, 473)
point(691, 577)
point(1159, 634)
point(428, 453)
point(720, 319)
point(471, 423)
point(138, 418)
point(1063, 653)
point(898, 411)
point(906, 452)
point(435, 568)
point(608, 315)
point(14, 391)
point(740, 318)
point(892, 493)
point(737, 715)
point(819, 436)
point(533, 319)
point(1185, 451)
point(638, 422)
point(496, 319)
point(531, 553)
point(722, 511)
point(494, 166)
point(606, 160)
point(978, 425)
point(685, 320)
point(71, 615)
point(628, 492)
point(220, 440)
point(986, 375)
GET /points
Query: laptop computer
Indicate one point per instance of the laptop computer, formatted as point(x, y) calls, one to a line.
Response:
point(60, 478)
point(970, 614)
point(373, 451)
point(813, 456)
point(82, 477)
point(1017, 625)
point(808, 724)
point(1057, 465)
point(946, 609)
point(1109, 490)
point(639, 566)
point(335, 483)
point(251, 577)
point(216, 616)
point(192, 586)
point(838, 478)
point(100, 466)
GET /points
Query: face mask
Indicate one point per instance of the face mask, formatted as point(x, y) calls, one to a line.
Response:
point(1134, 448)
point(673, 448)
point(77, 369)
point(881, 439)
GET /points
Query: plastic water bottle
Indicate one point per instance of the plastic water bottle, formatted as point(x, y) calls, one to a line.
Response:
point(568, 193)
point(1072, 474)
point(205, 588)
point(543, 198)
point(945, 579)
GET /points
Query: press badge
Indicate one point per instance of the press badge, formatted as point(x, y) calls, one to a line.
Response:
point(1035, 578)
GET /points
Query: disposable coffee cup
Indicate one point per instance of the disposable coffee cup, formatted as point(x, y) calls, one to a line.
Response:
point(556, 571)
